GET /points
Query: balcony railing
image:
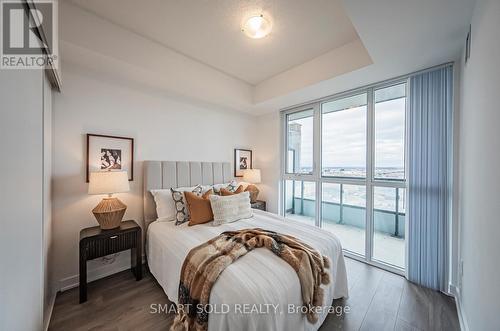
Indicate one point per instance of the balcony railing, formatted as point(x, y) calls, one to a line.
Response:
point(385, 221)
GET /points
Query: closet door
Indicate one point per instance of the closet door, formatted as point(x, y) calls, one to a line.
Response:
point(21, 199)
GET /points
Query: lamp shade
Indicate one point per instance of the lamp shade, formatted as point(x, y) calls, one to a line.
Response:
point(251, 176)
point(108, 182)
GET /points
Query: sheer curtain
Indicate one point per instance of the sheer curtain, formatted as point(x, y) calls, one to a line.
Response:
point(429, 176)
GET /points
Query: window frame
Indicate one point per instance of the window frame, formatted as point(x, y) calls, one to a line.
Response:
point(369, 182)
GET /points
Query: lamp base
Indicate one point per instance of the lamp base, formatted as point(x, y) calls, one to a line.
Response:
point(254, 192)
point(109, 213)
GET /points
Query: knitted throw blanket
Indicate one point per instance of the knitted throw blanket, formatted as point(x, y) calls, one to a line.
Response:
point(205, 263)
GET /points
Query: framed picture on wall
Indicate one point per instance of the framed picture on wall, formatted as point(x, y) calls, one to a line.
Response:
point(242, 161)
point(110, 153)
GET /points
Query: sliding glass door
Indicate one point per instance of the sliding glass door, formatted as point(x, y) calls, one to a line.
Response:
point(344, 170)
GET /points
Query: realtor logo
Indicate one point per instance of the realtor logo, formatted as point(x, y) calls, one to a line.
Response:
point(27, 34)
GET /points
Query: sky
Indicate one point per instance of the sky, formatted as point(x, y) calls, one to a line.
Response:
point(344, 136)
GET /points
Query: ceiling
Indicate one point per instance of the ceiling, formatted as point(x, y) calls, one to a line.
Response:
point(209, 31)
point(194, 49)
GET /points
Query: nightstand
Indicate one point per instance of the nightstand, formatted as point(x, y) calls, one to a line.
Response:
point(259, 204)
point(95, 242)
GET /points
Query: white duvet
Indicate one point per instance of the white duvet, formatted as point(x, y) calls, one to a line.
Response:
point(257, 292)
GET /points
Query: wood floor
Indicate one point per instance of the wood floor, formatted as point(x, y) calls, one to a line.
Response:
point(378, 300)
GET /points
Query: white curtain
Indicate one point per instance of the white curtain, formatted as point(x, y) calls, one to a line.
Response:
point(429, 176)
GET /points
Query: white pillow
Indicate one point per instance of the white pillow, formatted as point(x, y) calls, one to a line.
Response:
point(165, 208)
point(230, 208)
point(165, 205)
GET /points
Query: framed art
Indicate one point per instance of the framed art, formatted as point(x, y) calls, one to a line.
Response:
point(110, 153)
point(242, 161)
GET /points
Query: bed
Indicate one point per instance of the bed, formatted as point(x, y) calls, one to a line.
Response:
point(257, 292)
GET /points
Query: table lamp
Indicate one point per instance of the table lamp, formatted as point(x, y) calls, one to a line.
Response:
point(109, 212)
point(252, 176)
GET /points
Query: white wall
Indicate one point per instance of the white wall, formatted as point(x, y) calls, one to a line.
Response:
point(164, 128)
point(21, 200)
point(267, 158)
point(480, 178)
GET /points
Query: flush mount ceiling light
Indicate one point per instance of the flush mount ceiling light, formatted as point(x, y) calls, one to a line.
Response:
point(257, 27)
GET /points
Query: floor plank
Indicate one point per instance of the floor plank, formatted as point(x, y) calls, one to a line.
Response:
point(383, 310)
point(415, 307)
point(117, 302)
point(361, 294)
point(378, 300)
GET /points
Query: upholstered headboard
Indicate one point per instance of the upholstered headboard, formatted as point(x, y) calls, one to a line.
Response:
point(167, 174)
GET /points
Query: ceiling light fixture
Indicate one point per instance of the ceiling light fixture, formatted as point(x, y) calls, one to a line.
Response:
point(257, 27)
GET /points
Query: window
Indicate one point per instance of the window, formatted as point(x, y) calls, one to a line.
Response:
point(343, 210)
point(299, 127)
point(344, 137)
point(390, 110)
point(389, 221)
point(359, 191)
point(300, 201)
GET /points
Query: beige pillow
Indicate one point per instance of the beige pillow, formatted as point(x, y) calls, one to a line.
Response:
point(227, 209)
point(200, 210)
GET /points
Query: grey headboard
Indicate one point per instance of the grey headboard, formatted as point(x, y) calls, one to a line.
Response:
point(167, 174)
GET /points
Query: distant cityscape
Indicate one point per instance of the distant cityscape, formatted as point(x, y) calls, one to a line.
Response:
point(382, 173)
point(355, 195)
point(391, 173)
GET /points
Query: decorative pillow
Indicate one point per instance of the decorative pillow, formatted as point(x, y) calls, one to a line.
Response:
point(200, 210)
point(226, 192)
point(181, 211)
point(230, 208)
point(231, 186)
point(206, 188)
point(165, 208)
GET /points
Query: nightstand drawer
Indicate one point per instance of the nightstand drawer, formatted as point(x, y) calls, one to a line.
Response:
point(109, 245)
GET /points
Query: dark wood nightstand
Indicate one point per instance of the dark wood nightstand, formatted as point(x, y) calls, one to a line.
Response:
point(259, 204)
point(95, 242)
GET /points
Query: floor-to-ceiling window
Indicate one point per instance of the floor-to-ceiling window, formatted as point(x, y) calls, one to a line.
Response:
point(344, 170)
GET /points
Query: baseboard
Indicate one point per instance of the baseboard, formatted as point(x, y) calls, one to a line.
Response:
point(455, 291)
point(95, 274)
point(48, 314)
